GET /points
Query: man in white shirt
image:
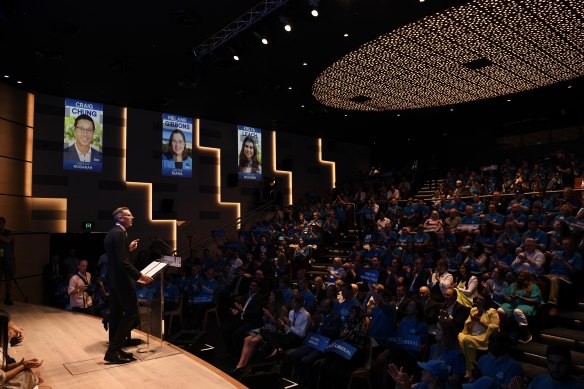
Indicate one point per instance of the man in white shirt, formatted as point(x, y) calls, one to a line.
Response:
point(295, 326)
point(80, 291)
point(531, 259)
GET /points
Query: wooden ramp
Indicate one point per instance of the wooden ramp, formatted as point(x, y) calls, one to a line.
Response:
point(72, 346)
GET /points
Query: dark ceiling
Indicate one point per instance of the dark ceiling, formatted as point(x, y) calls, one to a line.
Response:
point(140, 55)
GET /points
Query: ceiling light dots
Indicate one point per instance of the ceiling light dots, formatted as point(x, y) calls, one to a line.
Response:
point(524, 45)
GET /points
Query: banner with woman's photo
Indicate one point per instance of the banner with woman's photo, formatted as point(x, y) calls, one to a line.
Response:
point(83, 136)
point(177, 146)
point(249, 140)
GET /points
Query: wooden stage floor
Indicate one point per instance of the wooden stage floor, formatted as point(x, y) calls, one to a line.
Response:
point(72, 347)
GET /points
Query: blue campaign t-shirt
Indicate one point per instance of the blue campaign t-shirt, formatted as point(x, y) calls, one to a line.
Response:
point(382, 323)
point(343, 308)
point(452, 357)
point(501, 369)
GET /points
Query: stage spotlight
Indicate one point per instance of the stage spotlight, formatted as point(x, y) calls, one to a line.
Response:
point(286, 23)
point(313, 7)
point(234, 53)
point(262, 38)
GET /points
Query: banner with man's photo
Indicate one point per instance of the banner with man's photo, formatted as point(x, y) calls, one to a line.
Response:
point(177, 146)
point(249, 141)
point(83, 136)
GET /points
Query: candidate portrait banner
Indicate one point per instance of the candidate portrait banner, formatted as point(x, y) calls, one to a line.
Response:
point(249, 140)
point(83, 136)
point(177, 146)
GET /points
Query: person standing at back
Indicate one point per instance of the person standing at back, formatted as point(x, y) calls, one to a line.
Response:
point(122, 277)
point(6, 259)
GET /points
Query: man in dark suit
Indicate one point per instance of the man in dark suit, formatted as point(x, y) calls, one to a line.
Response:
point(401, 301)
point(431, 307)
point(453, 310)
point(239, 286)
point(122, 277)
point(248, 315)
point(81, 150)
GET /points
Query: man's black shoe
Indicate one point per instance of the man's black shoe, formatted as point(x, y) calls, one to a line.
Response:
point(132, 342)
point(116, 357)
point(128, 355)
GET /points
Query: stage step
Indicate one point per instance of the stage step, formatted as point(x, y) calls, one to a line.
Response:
point(561, 335)
point(531, 371)
point(346, 244)
point(571, 319)
point(535, 353)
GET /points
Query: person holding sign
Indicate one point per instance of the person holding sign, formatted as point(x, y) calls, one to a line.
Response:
point(338, 365)
point(176, 156)
point(326, 324)
point(248, 156)
point(81, 149)
point(408, 344)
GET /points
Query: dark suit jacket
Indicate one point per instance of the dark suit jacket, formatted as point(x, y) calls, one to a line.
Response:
point(243, 286)
point(329, 326)
point(70, 154)
point(459, 314)
point(401, 307)
point(253, 314)
point(431, 311)
point(121, 273)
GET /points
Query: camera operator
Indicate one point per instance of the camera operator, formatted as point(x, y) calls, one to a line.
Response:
point(80, 290)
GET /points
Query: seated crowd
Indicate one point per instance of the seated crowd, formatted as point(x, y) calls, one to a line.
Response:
point(423, 282)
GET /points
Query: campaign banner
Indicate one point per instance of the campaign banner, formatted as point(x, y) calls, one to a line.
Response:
point(576, 225)
point(317, 341)
point(406, 342)
point(342, 348)
point(83, 136)
point(177, 146)
point(202, 298)
point(249, 141)
point(370, 275)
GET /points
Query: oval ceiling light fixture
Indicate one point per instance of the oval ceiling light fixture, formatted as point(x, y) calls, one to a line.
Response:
point(475, 51)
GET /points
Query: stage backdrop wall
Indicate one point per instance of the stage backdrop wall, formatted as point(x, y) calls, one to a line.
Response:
point(37, 195)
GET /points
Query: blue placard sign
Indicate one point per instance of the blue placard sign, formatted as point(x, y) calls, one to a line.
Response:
point(370, 275)
point(317, 341)
point(342, 348)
